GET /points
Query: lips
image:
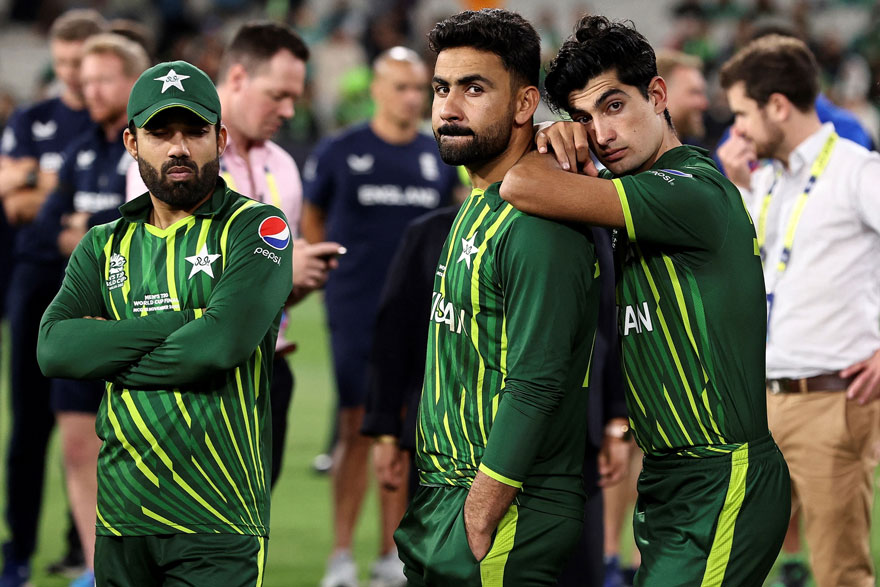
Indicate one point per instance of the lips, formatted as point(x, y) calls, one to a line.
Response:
point(615, 155)
point(179, 172)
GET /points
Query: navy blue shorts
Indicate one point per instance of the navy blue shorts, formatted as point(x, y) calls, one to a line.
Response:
point(69, 395)
point(350, 359)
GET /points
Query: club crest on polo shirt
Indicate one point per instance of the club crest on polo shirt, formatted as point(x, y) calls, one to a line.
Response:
point(171, 79)
point(44, 131)
point(275, 233)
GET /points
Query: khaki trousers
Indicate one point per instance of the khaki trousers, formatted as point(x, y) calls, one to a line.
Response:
point(831, 447)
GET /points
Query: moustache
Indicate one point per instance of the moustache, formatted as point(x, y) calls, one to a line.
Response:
point(179, 163)
point(451, 130)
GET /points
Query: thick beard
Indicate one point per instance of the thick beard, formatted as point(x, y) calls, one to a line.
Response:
point(180, 195)
point(482, 148)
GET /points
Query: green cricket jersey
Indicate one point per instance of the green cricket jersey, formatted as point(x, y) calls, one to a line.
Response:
point(691, 309)
point(191, 313)
point(513, 321)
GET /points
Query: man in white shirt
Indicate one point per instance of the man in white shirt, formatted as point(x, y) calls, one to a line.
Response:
point(817, 219)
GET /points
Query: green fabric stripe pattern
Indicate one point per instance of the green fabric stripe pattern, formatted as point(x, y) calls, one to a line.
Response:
point(459, 325)
point(722, 544)
point(192, 471)
point(493, 565)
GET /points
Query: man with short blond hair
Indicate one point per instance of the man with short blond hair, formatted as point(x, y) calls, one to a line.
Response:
point(31, 155)
point(90, 189)
point(687, 92)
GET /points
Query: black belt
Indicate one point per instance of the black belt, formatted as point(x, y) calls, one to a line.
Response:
point(828, 382)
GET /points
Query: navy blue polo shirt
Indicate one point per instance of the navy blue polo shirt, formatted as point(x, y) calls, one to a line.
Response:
point(42, 131)
point(370, 191)
point(91, 179)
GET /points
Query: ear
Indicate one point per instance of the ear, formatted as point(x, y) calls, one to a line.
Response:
point(527, 100)
point(237, 76)
point(778, 107)
point(222, 137)
point(130, 142)
point(658, 92)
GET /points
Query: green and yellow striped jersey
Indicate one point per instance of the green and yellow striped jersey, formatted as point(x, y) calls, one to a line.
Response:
point(513, 321)
point(191, 313)
point(691, 309)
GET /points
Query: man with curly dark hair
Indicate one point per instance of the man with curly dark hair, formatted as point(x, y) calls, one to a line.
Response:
point(714, 491)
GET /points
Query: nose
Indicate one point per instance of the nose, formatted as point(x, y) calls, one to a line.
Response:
point(449, 106)
point(287, 108)
point(179, 146)
point(604, 133)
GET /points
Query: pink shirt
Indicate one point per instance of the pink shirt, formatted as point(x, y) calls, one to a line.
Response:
point(269, 175)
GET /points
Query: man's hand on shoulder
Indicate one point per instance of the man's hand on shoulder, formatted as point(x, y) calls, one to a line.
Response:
point(570, 146)
point(865, 387)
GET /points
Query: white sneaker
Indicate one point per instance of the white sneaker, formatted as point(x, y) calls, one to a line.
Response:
point(341, 571)
point(387, 571)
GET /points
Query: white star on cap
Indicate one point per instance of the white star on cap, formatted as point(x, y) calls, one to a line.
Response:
point(172, 79)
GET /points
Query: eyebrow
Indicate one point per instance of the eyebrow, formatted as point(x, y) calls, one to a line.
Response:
point(607, 94)
point(463, 81)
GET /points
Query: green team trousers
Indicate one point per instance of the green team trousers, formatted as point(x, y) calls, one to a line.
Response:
point(716, 521)
point(529, 547)
point(180, 560)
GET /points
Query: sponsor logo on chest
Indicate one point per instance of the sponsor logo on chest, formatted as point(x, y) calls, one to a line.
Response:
point(116, 275)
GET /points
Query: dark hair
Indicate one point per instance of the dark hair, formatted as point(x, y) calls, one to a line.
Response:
point(255, 43)
point(77, 25)
point(502, 32)
point(599, 45)
point(775, 65)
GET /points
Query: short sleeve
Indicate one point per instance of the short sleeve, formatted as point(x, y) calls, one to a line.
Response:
point(318, 175)
point(671, 207)
point(16, 141)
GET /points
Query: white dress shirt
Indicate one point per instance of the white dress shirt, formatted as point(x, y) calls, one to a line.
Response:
point(825, 313)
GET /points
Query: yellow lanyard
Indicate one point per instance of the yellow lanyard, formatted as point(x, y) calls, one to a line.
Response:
point(274, 196)
point(819, 166)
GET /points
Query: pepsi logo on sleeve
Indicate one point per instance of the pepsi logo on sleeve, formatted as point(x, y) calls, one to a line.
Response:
point(275, 233)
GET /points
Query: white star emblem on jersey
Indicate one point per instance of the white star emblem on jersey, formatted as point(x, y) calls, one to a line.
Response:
point(202, 262)
point(171, 79)
point(467, 249)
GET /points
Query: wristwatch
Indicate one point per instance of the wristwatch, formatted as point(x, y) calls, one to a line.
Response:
point(619, 430)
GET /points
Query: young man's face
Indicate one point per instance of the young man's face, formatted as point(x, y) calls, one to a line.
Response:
point(625, 129)
point(473, 109)
point(66, 57)
point(752, 122)
point(105, 87)
point(266, 99)
point(178, 156)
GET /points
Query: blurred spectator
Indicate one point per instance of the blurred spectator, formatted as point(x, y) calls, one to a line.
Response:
point(362, 188)
point(816, 214)
point(91, 187)
point(686, 89)
point(137, 32)
point(33, 143)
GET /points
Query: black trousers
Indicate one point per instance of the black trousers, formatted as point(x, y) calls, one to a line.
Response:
point(31, 289)
point(586, 566)
point(281, 394)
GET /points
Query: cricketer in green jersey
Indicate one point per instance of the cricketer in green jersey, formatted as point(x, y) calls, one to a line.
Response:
point(502, 419)
point(176, 305)
point(714, 491)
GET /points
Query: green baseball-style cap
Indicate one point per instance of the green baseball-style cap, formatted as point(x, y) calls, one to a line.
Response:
point(173, 84)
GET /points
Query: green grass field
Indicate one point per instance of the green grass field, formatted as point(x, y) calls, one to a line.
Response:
point(300, 535)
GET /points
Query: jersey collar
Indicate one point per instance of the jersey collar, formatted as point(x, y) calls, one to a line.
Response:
point(138, 209)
